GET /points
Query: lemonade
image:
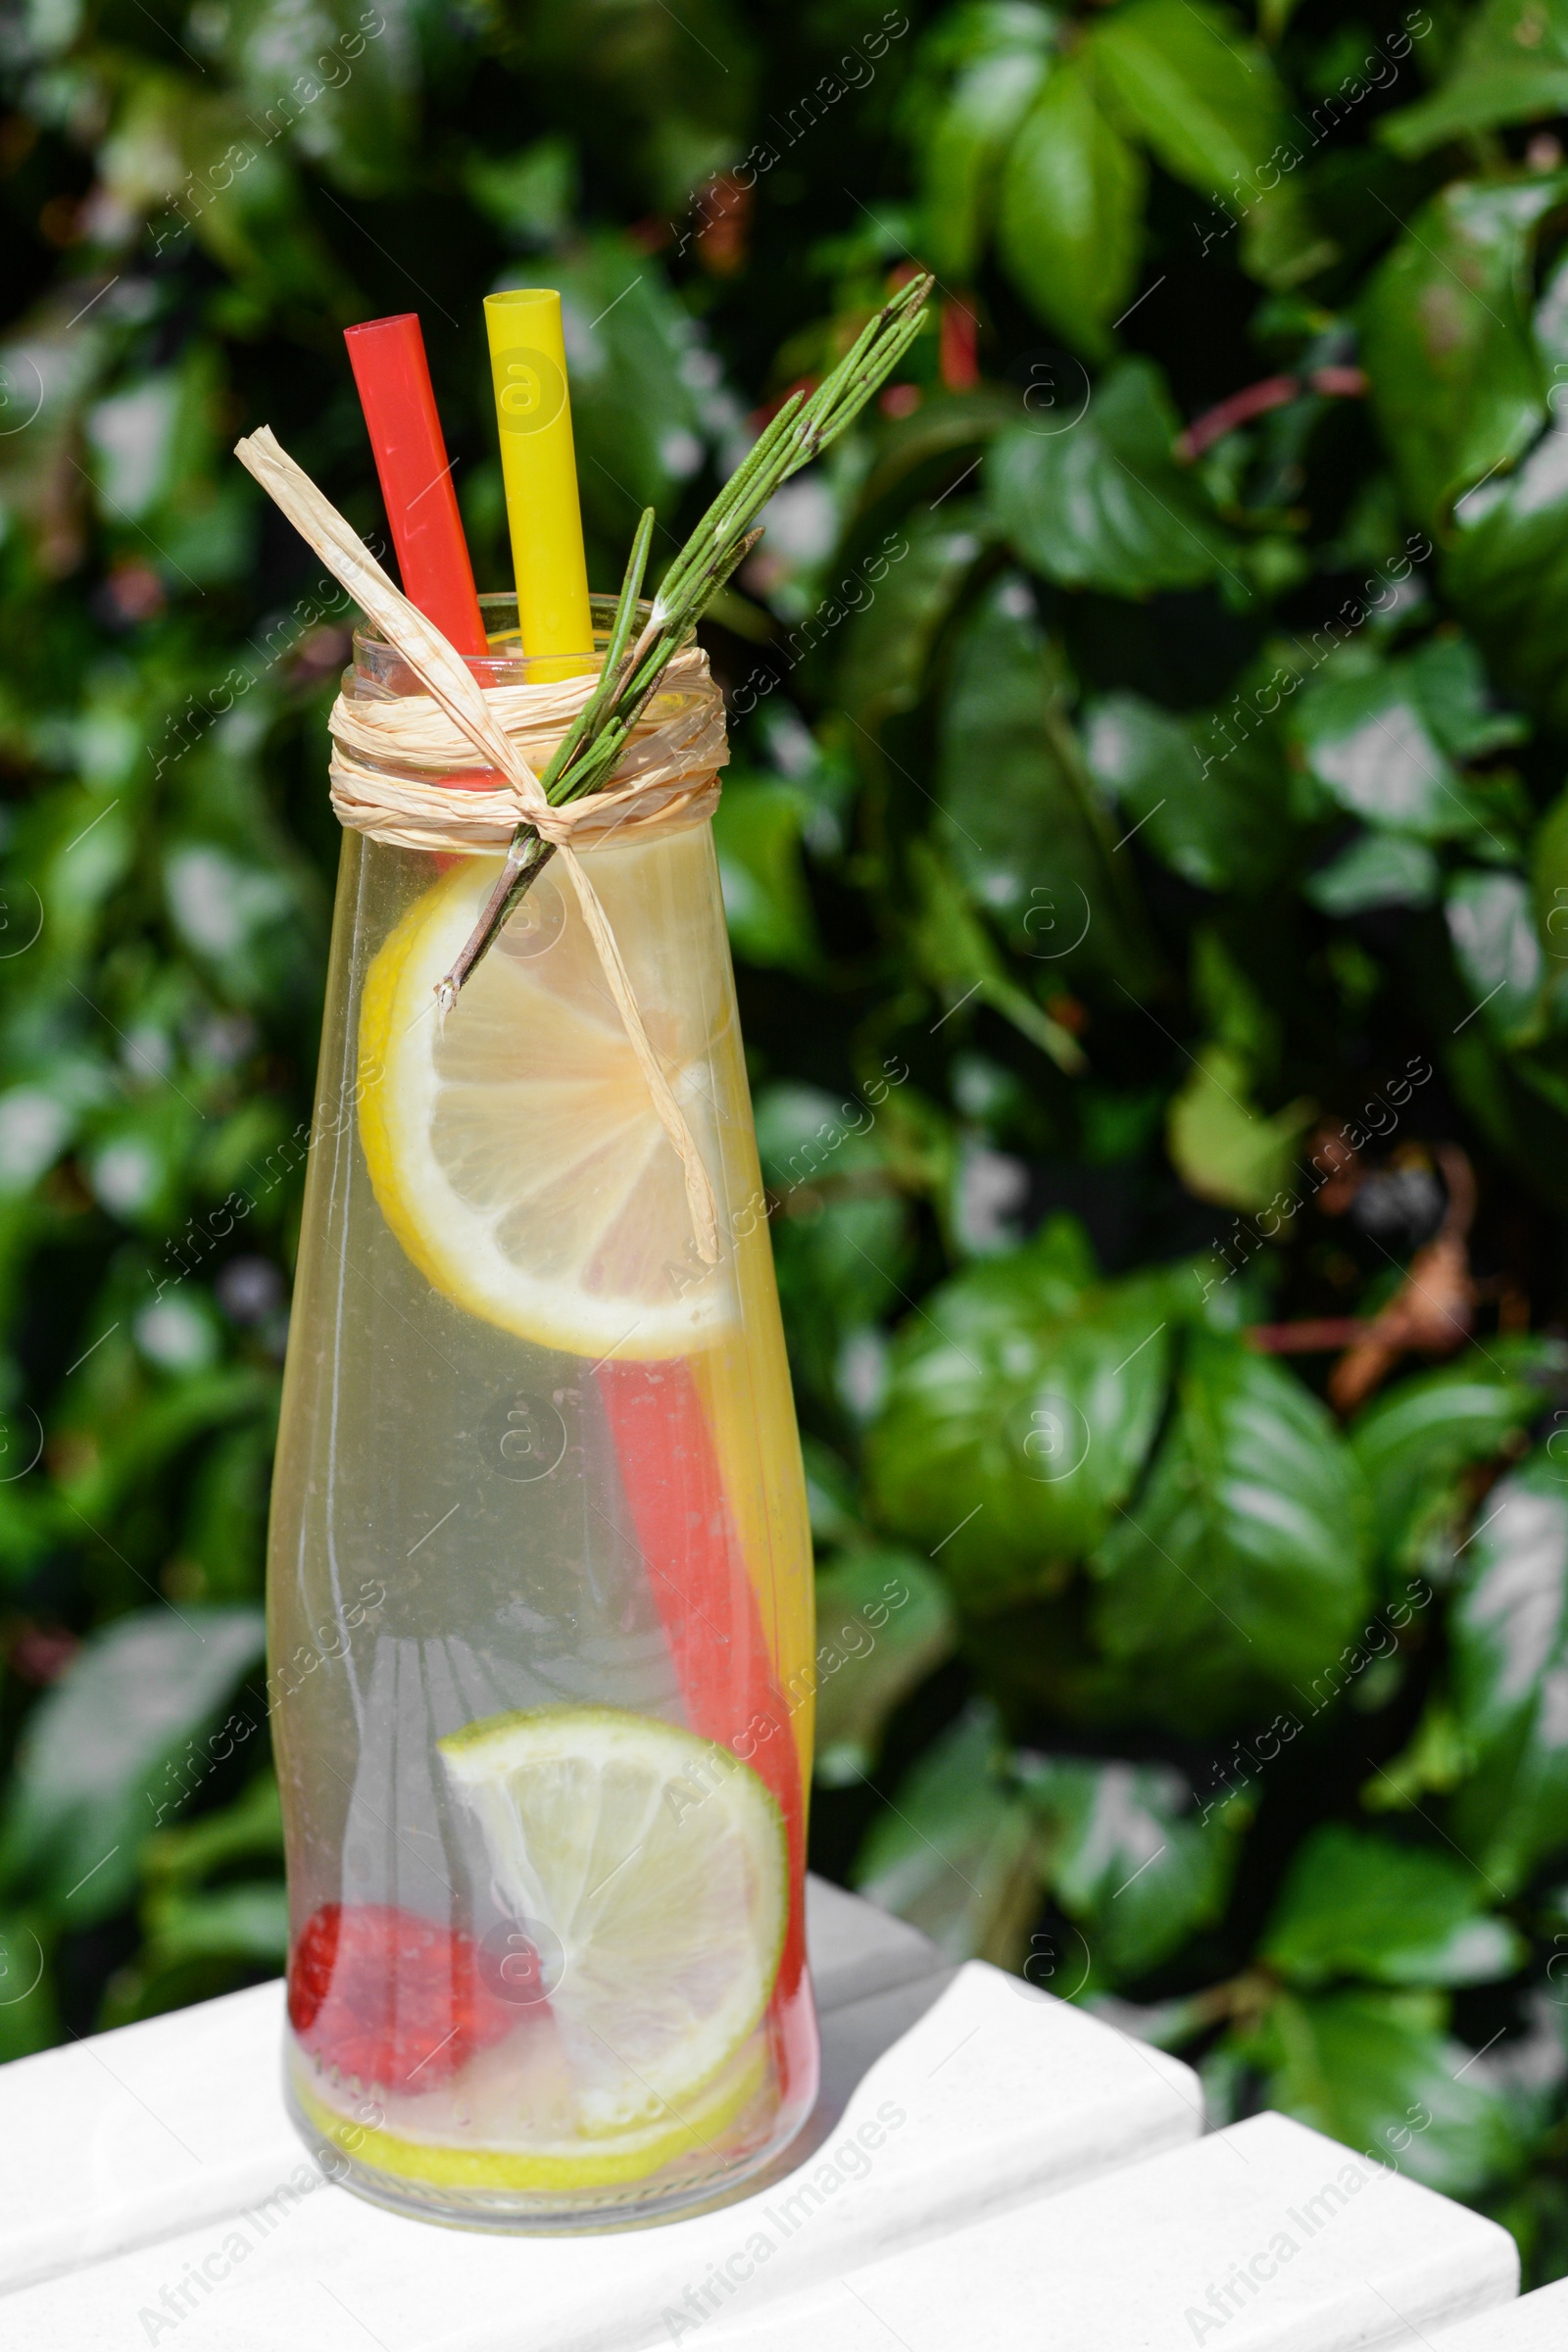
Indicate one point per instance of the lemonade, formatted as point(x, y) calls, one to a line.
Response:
point(546, 1802)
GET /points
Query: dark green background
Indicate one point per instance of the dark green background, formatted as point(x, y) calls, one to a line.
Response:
point(1111, 828)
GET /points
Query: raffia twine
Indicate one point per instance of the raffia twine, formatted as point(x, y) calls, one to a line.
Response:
point(668, 776)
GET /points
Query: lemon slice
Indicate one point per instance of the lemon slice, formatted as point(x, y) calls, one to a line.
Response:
point(515, 1151)
point(652, 1865)
point(545, 2164)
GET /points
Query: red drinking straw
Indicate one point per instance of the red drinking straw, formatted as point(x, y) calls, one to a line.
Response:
point(393, 375)
point(704, 1597)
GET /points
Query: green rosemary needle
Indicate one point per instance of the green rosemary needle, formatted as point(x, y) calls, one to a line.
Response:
point(588, 752)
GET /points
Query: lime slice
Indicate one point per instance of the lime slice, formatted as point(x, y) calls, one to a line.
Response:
point(515, 1150)
point(652, 1866)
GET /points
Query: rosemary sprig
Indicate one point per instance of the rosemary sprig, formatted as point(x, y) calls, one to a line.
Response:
point(587, 755)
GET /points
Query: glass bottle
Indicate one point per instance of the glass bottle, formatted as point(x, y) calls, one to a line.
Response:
point(539, 1578)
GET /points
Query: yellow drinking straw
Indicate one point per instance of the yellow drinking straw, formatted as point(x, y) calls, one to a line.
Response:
point(538, 466)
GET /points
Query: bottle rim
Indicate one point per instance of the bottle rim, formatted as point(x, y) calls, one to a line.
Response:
point(379, 669)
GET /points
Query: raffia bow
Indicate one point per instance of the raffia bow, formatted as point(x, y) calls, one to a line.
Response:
point(463, 703)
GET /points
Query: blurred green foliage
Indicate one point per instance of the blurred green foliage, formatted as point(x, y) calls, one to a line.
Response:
point(1146, 857)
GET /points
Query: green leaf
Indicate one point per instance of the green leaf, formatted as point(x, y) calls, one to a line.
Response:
point(202, 166)
point(1510, 65)
point(528, 196)
point(1456, 381)
point(955, 952)
point(243, 1923)
point(1378, 870)
point(1354, 1905)
point(1416, 1443)
point(1283, 244)
point(1370, 738)
point(27, 2017)
point(955, 1855)
point(1449, 680)
point(1549, 879)
point(341, 93)
point(1021, 822)
point(1197, 87)
point(757, 834)
point(1103, 504)
point(1222, 1146)
point(207, 1929)
point(1508, 1638)
point(137, 1445)
point(1552, 324)
point(884, 1622)
point(909, 449)
point(1218, 820)
point(177, 1861)
point(1000, 53)
point(98, 1754)
point(1071, 211)
point(1124, 1860)
point(1492, 925)
point(237, 914)
point(841, 1229)
point(1507, 570)
point(1376, 2071)
point(634, 414)
point(884, 667)
point(1241, 1567)
point(1021, 1404)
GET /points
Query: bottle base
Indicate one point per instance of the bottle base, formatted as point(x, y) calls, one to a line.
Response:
point(508, 2211)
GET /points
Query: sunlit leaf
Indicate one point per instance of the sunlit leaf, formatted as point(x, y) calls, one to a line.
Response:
point(1125, 1859)
point(335, 77)
point(1492, 925)
point(1021, 1406)
point(1377, 869)
point(990, 59)
point(1222, 1146)
point(1510, 65)
point(1070, 213)
point(1458, 384)
point(884, 1622)
point(757, 833)
point(887, 646)
point(1198, 88)
point(1415, 1444)
point(1506, 569)
point(1370, 736)
point(1239, 1568)
point(840, 1226)
point(1022, 822)
point(956, 1854)
point(1101, 503)
point(635, 418)
point(1508, 1632)
point(1216, 813)
point(1354, 1905)
point(99, 1756)
point(1376, 2071)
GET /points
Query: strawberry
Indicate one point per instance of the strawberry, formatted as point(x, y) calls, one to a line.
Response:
point(389, 1997)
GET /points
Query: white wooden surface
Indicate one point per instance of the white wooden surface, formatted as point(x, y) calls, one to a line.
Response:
point(1537, 2323)
point(139, 2134)
point(1263, 2236)
point(987, 2167)
point(946, 2095)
